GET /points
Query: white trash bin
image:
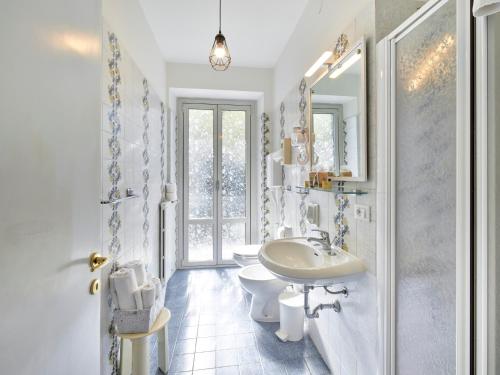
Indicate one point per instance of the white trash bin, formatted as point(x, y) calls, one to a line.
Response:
point(291, 316)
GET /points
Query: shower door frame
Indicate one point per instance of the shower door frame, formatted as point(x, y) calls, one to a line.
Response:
point(386, 188)
point(483, 287)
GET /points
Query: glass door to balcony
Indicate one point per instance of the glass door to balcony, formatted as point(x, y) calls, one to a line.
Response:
point(216, 182)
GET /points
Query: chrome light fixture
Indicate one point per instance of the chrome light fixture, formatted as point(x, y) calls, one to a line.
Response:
point(219, 58)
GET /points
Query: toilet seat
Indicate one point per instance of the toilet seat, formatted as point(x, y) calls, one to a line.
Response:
point(246, 255)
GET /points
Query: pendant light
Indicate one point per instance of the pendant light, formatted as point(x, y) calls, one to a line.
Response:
point(219, 54)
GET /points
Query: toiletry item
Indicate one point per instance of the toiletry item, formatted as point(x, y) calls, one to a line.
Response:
point(125, 284)
point(148, 293)
point(306, 184)
point(287, 151)
point(345, 172)
point(158, 286)
point(140, 270)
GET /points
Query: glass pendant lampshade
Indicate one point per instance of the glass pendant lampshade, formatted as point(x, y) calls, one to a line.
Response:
point(219, 54)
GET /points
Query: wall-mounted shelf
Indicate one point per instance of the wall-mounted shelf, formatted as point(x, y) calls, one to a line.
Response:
point(337, 190)
point(129, 195)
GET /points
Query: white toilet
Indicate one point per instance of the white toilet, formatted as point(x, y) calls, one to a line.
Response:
point(246, 255)
point(265, 289)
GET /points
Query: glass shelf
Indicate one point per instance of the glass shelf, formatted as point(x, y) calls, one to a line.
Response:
point(335, 190)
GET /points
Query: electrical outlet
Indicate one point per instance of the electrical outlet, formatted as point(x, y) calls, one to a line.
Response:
point(362, 212)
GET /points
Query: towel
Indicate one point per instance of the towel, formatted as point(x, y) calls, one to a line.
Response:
point(114, 296)
point(485, 7)
point(124, 283)
point(148, 292)
point(140, 270)
point(138, 299)
point(158, 287)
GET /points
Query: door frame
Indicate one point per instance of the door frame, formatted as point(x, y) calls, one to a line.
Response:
point(386, 189)
point(484, 289)
point(251, 153)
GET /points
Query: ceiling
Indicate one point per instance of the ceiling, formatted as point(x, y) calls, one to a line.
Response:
point(256, 30)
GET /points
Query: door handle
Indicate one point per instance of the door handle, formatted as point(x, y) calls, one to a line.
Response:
point(97, 261)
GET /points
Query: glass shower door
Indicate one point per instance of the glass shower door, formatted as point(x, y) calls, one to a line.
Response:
point(425, 194)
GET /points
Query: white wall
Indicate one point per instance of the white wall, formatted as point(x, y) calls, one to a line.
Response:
point(347, 341)
point(126, 18)
point(140, 58)
point(196, 76)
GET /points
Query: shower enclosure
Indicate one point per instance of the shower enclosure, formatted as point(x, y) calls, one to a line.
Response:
point(424, 184)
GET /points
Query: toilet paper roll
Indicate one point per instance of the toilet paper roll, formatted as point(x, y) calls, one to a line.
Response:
point(138, 299)
point(148, 293)
point(171, 188)
point(140, 270)
point(124, 283)
point(171, 196)
point(158, 287)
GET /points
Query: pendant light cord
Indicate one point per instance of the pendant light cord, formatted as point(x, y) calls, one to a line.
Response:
point(220, 15)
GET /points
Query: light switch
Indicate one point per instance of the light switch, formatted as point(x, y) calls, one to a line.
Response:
point(362, 212)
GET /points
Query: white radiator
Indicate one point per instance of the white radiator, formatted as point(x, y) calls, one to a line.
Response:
point(167, 240)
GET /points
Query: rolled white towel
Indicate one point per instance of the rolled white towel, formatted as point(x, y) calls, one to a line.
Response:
point(112, 291)
point(125, 283)
point(148, 292)
point(158, 287)
point(138, 299)
point(171, 188)
point(139, 269)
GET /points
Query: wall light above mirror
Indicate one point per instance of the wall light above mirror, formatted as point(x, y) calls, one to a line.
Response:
point(337, 117)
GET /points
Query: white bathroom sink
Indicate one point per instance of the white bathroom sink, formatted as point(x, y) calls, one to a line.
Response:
point(296, 260)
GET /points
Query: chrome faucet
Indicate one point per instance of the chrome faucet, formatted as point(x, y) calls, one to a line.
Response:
point(324, 240)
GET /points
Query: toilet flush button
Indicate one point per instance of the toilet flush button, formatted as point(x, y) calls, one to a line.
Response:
point(362, 212)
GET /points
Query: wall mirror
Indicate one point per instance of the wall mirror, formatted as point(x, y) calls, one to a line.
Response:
point(337, 108)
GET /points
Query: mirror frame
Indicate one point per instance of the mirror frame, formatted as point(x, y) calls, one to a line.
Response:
point(363, 142)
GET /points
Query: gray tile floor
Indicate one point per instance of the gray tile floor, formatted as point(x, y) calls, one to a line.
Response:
point(211, 333)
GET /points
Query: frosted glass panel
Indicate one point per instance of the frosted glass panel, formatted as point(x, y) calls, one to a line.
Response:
point(233, 234)
point(234, 164)
point(425, 196)
point(201, 163)
point(200, 242)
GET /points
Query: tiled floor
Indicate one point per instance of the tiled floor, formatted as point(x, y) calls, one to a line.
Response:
point(211, 333)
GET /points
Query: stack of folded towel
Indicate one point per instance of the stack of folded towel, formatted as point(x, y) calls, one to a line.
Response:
point(133, 289)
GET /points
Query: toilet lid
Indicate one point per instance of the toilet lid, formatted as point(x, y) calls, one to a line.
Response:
point(248, 251)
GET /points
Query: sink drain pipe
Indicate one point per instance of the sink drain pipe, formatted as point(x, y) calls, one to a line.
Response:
point(335, 306)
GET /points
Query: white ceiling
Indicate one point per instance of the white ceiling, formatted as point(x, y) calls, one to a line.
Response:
point(256, 30)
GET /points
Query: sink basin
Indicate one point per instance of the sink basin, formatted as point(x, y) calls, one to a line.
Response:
point(298, 261)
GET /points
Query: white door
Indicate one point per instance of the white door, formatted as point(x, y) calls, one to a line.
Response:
point(216, 182)
point(49, 186)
